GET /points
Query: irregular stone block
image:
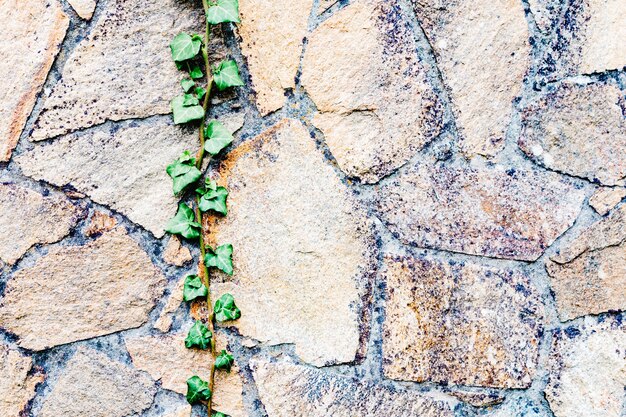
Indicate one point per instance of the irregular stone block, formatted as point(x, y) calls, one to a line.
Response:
point(605, 199)
point(29, 218)
point(588, 276)
point(17, 384)
point(99, 223)
point(587, 369)
point(376, 109)
point(314, 237)
point(92, 385)
point(482, 51)
point(460, 324)
point(175, 253)
point(84, 8)
point(286, 389)
point(103, 287)
point(31, 32)
point(487, 211)
point(579, 130)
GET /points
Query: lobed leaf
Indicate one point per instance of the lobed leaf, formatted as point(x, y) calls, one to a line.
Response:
point(183, 172)
point(223, 11)
point(214, 199)
point(185, 46)
point(183, 223)
point(218, 137)
point(195, 72)
point(226, 74)
point(221, 258)
point(187, 84)
point(224, 361)
point(199, 336)
point(200, 92)
point(184, 111)
point(218, 414)
point(194, 288)
point(197, 390)
point(226, 309)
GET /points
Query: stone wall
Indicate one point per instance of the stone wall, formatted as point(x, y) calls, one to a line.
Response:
point(424, 204)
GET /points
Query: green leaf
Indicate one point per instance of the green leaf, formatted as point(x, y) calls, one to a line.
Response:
point(185, 46)
point(186, 113)
point(218, 137)
point(195, 72)
point(223, 11)
point(218, 414)
point(214, 200)
point(183, 172)
point(224, 361)
point(226, 74)
point(197, 390)
point(190, 100)
point(187, 84)
point(183, 223)
point(194, 288)
point(221, 258)
point(225, 308)
point(199, 336)
point(200, 92)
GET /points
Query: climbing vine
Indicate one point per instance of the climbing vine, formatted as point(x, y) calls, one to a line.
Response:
point(190, 54)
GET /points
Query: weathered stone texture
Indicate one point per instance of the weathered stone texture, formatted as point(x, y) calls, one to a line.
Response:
point(287, 390)
point(86, 291)
point(517, 408)
point(605, 199)
point(175, 253)
point(376, 108)
point(84, 8)
point(482, 51)
point(17, 383)
point(588, 276)
point(587, 369)
point(272, 34)
point(174, 300)
point(123, 69)
point(460, 324)
point(123, 168)
point(579, 130)
point(488, 211)
point(284, 270)
point(92, 385)
point(546, 13)
point(28, 218)
point(31, 32)
point(99, 223)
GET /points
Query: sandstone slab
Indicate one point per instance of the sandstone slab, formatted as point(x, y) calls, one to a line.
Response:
point(588, 276)
point(587, 369)
point(30, 218)
point(104, 164)
point(17, 384)
point(31, 32)
point(99, 223)
point(175, 253)
point(122, 69)
point(605, 199)
point(86, 291)
point(376, 109)
point(272, 34)
point(174, 300)
point(286, 389)
point(460, 324)
point(284, 270)
point(487, 211)
point(579, 130)
point(482, 51)
point(84, 8)
point(92, 385)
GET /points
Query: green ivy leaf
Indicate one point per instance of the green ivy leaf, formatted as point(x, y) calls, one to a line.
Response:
point(200, 92)
point(224, 361)
point(199, 336)
point(226, 74)
point(185, 46)
point(221, 258)
point(184, 113)
point(195, 72)
point(223, 11)
point(183, 172)
point(190, 100)
point(214, 200)
point(197, 390)
point(194, 288)
point(187, 84)
point(225, 308)
point(218, 137)
point(218, 414)
point(183, 223)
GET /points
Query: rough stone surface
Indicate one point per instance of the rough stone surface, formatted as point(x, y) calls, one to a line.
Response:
point(86, 291)
point(30, 218)
point(325, 5)
point(124, 63)
point(92, 385)
point(84, 8)
point(579, 130)
point(283, 270)
point(546, 13)
point(17, 384)
point(175, 253)
point(104, 165)
point(517, 408)
point(287, 389)
point(166, 319)
point(459, 324)
point(588, 370)
point(482, 51)
point(605, 199)
point(488, 211)
point(589, 275)
point(31, 32)
point(361, 70)
point(478, 399)
point(272, 34)
point(99, 223)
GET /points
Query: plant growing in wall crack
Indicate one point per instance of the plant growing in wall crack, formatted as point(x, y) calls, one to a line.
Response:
point(189, 52)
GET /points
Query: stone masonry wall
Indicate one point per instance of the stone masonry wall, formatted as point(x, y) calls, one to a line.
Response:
point(427, 205)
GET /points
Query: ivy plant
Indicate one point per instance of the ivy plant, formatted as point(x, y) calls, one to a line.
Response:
point(199, 336)
point(184, 223)
point(224, 361)
point(194, 288)
point(220, 258)
point(226, 309)
point(183, 172)
point(197, 390)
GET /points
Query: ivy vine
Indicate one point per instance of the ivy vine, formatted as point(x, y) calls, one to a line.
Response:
point(189, 52)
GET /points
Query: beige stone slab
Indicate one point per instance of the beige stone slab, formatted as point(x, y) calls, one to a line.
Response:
point(605, 199)
point(105, 286)
point(17, 382)
point(460, 324)
point(376, 108)
point(31, 32)
point(99, 223)
point(173, 302)
point(84, 8)
point(175, 253)
point(303, 247)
